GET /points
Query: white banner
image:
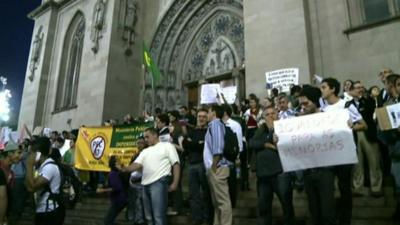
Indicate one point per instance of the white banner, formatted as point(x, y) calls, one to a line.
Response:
point(282, 79)
point(317, 140)
point(229, 94)
point(209, 93)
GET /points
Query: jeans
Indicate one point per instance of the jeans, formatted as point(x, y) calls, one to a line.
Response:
point(282, 186)
point(155, 199)
point(199, 194)
point(319, 186)
point(134, 209)
point(19, 195)
point(345, 204)
point(112, 213)
point(396, 175)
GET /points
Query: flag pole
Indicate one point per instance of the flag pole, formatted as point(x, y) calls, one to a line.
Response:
point(153, 108)
point(141, 100)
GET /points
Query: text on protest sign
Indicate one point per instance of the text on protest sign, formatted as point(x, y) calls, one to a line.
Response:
point(210, 93)
point(283, 79)
point(317, 140)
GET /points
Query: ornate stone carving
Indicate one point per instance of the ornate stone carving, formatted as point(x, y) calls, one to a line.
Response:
point(98, 24)
point(220, 59)
point(127, 21)
point(185, 43)
point(35, 52)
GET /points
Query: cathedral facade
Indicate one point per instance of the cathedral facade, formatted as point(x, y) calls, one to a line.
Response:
point(85, 62)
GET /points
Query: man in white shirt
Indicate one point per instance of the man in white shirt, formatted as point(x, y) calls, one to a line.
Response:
point(156, 163)
point(330, 88)
point(49, 211)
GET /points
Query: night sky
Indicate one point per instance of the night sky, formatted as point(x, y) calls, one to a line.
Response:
point(15, 40)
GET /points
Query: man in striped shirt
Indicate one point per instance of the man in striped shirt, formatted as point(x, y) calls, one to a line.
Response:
point(217, 167)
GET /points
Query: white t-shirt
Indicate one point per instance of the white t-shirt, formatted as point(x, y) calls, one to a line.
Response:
point(353, 112)
point(235, 126)
point(157, 161)
point(50, 172)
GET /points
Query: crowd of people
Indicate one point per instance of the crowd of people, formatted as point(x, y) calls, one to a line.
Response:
point(195, 140)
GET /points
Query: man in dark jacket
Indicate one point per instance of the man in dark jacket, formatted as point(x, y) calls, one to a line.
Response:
point(270, 178)
point(367, 143)
point(200, 198)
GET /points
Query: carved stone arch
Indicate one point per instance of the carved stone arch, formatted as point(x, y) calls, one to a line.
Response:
point(176, 40)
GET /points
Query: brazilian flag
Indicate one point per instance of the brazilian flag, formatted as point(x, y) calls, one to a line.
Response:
point(150, 64)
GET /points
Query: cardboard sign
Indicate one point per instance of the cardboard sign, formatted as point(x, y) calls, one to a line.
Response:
point(388, 117)
point(317, 140)
point(282, 79)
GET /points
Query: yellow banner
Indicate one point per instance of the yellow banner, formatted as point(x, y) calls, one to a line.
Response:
point(95, 145)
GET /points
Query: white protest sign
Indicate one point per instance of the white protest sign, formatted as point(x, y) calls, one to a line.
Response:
point(229, 94)
point(46, 132)
point(5, 134)
point(15, 136)
point(283, 79)
point(65, 147)
point(209, 93)
point(394, 115)
point(317, 140)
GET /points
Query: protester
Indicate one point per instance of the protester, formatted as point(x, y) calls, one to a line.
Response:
point(162, 124)
point(9, 156)
point(156, 162)
point(177, 131)
point(217, 167)
point(199, 192)
point(347, 84)
point(186, 118)
point(270, 176)
point(18, 192)
point(330, 88)
point(391, 138)
point(117, 192)
point(384, 94)
point(135, 209)
point(366, 143)
point(318, 182)
point(237, 129)
point(253, 116)
point(49, 209)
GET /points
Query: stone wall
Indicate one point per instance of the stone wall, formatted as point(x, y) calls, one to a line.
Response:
point(359, 55)
point(275, 38)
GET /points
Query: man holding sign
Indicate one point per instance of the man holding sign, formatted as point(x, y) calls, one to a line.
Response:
point(318, 182)
point(330, 88)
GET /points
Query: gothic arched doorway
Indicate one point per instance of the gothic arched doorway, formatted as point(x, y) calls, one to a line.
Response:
point(198, 42)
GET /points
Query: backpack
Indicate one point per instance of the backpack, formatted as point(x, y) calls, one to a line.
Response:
point(231, 146)
point(65, 197)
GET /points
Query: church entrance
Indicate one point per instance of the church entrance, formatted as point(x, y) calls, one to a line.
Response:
point(204, 44)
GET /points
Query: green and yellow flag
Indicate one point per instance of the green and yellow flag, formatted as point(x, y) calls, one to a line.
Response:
point(150, 64)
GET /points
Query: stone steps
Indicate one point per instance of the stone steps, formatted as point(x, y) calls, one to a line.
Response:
point(366, 210)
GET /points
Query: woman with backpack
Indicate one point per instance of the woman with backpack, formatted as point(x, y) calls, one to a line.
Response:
point(118, 195)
